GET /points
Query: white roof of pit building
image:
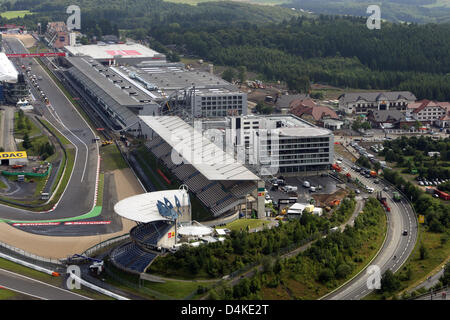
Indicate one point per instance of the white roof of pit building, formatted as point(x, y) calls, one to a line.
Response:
point(210, 160)
point(142, 207)
point(8, 72)
point(109, 51)
point(195, 231)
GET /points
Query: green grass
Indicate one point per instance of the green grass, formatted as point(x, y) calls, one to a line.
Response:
point(19, 133)
point(175, 289)
point(17, 268)
point(2, 185)
point(6, 294)
point(55, 132)
point(15, 14)
point(241, 224)
point(101, 182)
point(111, 158)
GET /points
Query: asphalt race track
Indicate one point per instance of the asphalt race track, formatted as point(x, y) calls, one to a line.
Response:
point(78, 197)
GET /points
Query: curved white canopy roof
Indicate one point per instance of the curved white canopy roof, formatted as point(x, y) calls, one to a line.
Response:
point(7, 70)
point(142, 207)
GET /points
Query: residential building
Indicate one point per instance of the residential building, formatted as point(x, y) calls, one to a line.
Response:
point(363, 102)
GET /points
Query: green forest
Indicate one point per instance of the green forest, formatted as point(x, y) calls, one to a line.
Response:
point(314, 272)
point(419, 11)
point(242, 249)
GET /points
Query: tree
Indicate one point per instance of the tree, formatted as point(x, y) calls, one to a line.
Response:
point(389, 282)
point(26, 141)
point(445, 279)
point(326, 275)
point(242, 74)
point(229, 74)
point(423, 252)
point(343, 270)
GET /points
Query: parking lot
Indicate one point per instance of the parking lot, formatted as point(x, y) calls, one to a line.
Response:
point(323, 184)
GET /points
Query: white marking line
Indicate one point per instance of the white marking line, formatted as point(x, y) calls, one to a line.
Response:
point(25, 293)
point(49, 285)
point(87, 149)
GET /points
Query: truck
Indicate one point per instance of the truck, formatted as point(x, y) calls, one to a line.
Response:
point(336, 167)
point(396, 196)
point(383, 201)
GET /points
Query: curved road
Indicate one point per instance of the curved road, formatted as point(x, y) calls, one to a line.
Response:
point(400, 218)
point(78, 198)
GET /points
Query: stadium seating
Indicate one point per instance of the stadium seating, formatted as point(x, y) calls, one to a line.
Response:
point(131, 257)
point(217, 196)
point(242, 189)
point(197, 183)
point(150, 233)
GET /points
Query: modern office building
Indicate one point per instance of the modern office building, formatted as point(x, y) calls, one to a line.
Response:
point(274, 144)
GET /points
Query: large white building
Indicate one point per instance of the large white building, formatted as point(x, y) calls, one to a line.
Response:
point(362, 102)
point(119, 53)
point(275, 144)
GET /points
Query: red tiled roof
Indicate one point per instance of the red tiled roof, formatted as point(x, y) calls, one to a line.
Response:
point(317, 112)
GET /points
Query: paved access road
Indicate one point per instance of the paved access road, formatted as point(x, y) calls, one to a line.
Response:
point(78, 197)
point(400, 218)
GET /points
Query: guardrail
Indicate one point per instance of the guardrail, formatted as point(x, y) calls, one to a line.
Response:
point(29, 265)
point(30, 255)
point(96, 288)
point(89, 252)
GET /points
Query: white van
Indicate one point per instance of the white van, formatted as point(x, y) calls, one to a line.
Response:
point(290, 188)
point(306, 184)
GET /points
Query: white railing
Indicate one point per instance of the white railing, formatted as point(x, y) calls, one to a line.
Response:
point(103, 244)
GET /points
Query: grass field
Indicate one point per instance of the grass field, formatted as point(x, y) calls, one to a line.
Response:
point(33, 128)
point(174, 289)
point(111, 158)
point(241, 224)
point(15, 14)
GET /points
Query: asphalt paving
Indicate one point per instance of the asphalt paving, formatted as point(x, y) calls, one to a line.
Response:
point(395, 250)
point(35, 288)
point(78, 197)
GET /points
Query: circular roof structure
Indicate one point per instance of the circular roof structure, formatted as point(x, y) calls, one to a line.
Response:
point(194, 231)
point(143, 207)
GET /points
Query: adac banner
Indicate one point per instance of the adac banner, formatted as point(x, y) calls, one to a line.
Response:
point(13, 155)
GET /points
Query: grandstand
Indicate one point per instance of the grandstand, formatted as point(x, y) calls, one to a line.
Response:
point(159, 216)
point(219, 182)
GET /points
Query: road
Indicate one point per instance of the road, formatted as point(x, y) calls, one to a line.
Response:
point(443, 294)
point(78, 197)
point(35, 288)
point(7, 121)
point(396, 248)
